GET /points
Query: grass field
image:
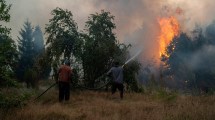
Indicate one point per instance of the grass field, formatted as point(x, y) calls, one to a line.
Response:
point(91, 105)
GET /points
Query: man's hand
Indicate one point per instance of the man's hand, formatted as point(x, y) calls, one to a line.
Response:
point(109, 74)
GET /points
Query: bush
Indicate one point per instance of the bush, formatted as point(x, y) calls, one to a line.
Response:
point(11, 98)
point(6, 78)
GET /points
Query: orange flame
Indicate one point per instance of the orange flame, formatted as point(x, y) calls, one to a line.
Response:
point(169, 29)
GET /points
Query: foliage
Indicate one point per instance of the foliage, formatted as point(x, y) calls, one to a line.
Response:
point(63, 38)
point(13, 98)
point(39, 46)
point(62, 34)
point(92, 51)
point(100, 45)
point(26, 50)
point(74, 79)
point(101, 48)
point(130, 74)
point(31, 48)
point(4, 16)
point(8, 53)
point(41, 64)
point(31, 78)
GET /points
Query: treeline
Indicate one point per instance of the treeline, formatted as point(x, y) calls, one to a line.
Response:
point(18, 61)
point(91, 51)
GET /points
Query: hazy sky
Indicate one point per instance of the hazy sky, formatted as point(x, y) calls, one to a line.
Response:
point(136, 20)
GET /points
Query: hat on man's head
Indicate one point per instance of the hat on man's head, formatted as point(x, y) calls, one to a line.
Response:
point(116, 63)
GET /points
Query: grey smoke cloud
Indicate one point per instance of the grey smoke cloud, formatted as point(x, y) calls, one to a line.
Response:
point(203, 59)
point(136, 20)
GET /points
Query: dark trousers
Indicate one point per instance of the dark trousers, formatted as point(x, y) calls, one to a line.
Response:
point(64, 91)
point(118, 86)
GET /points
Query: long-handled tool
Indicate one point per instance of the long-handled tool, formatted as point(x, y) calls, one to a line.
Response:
point(45, 91)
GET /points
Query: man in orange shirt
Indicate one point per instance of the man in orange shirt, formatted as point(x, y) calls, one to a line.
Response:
point(64, 81)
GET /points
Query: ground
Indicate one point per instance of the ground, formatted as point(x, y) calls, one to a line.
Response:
point(93, 105)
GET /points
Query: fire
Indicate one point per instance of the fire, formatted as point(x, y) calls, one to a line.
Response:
point(169, 29)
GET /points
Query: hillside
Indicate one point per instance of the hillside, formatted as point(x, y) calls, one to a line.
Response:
point(91, 105)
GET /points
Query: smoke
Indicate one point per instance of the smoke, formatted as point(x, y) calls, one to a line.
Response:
point(136, 20)
point(203, 59)
point(195, 12)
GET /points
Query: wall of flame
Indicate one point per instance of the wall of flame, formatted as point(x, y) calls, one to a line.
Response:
point(169, 28)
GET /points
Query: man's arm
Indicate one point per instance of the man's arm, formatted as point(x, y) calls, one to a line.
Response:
point(56, 75)
point(70, 74)
point(109, 72)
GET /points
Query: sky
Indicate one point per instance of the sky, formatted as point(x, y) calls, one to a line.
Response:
point(136, 20)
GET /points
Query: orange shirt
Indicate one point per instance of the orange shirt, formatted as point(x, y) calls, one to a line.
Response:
point(65, 73)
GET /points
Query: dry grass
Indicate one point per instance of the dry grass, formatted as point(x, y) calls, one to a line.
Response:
point(88, 105)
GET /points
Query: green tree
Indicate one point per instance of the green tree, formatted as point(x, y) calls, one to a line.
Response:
point(63, 37)
point(39, 46)
point(41, 67)
point(8, 53)
point(101, 48)
point(26, 51)
point(93, 50)
point(100, 44)
point(62, 34)
point(8, 59)
point(4, 16)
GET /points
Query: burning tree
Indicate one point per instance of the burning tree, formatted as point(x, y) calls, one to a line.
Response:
point(189, 63)
point(175, 64)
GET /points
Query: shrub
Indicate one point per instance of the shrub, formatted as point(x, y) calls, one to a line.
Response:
point(11, 98)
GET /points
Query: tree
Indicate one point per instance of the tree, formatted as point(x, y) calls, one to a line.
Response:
point(8, 53)
point(26, 51)
point(4, 16)
point(39, 46)
point(210, 33)
point(175, 66)
point(100, 44)
point(62, 34)
point(41, 67)
point(204, 52)
point(101, 49)
point(191, 60)
point(63, 37)
point(93, 50)
point(8, 59)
